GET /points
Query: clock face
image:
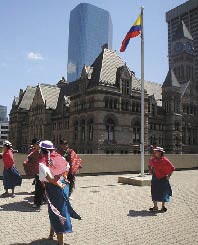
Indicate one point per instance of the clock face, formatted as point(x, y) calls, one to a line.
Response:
point(178, 47)
point(189, 47)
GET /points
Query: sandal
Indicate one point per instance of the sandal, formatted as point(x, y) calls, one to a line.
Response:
point(154, 209)
point(51, 237)
point(163, 209)
point(5, 194)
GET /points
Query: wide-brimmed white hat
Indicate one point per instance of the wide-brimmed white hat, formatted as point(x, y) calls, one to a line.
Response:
point(159, 149)
point(7, 143)
point(46, 144)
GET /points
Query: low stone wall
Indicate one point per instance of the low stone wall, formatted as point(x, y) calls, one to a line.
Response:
point(102, 163)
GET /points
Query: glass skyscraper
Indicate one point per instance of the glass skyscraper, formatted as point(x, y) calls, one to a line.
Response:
point(90, 28)
point(3, 113)
point(4, 125)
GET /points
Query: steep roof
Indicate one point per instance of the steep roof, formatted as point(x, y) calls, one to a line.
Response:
point(27, 98)
point(50, 94)
point(110, 63)
point(182, 32)
point(171, 80)
point(151, 89)
point(105, 67)
point(154, 89)
point(104, 71)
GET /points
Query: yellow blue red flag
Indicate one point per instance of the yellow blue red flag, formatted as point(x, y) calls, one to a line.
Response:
point(133, 32)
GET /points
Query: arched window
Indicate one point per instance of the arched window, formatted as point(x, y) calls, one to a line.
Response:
point(110, 127)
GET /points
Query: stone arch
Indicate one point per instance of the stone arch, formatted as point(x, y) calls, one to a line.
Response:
point(112, 117)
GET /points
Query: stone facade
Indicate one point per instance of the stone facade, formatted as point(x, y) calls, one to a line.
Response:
point(101, 111)
point(180, 96)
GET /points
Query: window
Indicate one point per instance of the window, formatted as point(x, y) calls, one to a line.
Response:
point(82, 131)
point(110, 129)
point(106, 102)
point(177, 125)
point(125, 87)
point(90, 129)
point(136, 133)
point(76, 130)
point(176, 106)
point(115, 104)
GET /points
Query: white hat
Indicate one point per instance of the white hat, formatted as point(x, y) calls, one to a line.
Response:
point(159, 149)
point(46, 144)
point(7, 143)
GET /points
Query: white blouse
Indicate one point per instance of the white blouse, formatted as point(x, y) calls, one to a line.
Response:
point(43, 171)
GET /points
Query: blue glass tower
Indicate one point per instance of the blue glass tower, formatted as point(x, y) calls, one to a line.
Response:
point(90, 28)
point(3, 113)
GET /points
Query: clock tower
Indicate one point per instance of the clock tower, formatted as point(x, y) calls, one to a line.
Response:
point(182, 58)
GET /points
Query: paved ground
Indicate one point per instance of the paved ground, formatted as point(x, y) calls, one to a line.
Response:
point(112, 213)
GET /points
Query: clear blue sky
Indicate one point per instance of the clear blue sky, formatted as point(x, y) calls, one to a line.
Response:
point(34, 40)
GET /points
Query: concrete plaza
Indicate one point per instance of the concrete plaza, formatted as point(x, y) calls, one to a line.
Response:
point(112, 213)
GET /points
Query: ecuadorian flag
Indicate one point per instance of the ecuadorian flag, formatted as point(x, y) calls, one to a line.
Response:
point(133, 32)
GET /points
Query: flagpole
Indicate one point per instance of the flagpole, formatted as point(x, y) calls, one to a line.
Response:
point(142, 96)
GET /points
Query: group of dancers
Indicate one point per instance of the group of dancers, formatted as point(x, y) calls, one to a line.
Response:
point(54, 171)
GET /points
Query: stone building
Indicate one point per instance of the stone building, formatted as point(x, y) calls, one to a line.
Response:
point(98, 113)
point(180, 89)
point(101, 111)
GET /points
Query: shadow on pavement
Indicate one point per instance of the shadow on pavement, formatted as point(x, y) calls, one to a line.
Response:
point(42, 241)
point(21, 206)
point(23, 193)
point(29, 198)
point(95, 186)
point(142, 213)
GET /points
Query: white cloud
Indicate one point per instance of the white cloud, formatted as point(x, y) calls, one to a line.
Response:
point(71, 68)
point(34, 56)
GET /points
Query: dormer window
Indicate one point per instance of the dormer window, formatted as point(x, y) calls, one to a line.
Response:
point(125, 87)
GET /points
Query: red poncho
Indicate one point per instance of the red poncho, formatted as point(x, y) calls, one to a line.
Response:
point(76, 162)
point(58, 164)
point(161, 166)
point(8, 159)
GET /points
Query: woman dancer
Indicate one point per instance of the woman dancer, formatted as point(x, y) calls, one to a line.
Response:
point(161, 169)
point(11, 176)
point(53, 170)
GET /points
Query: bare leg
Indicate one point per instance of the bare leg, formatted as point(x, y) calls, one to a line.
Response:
point(155, 207)
point(164, 209)
point(51, 233)
point(60, 238)
point(13, 195)
point(155, 204)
